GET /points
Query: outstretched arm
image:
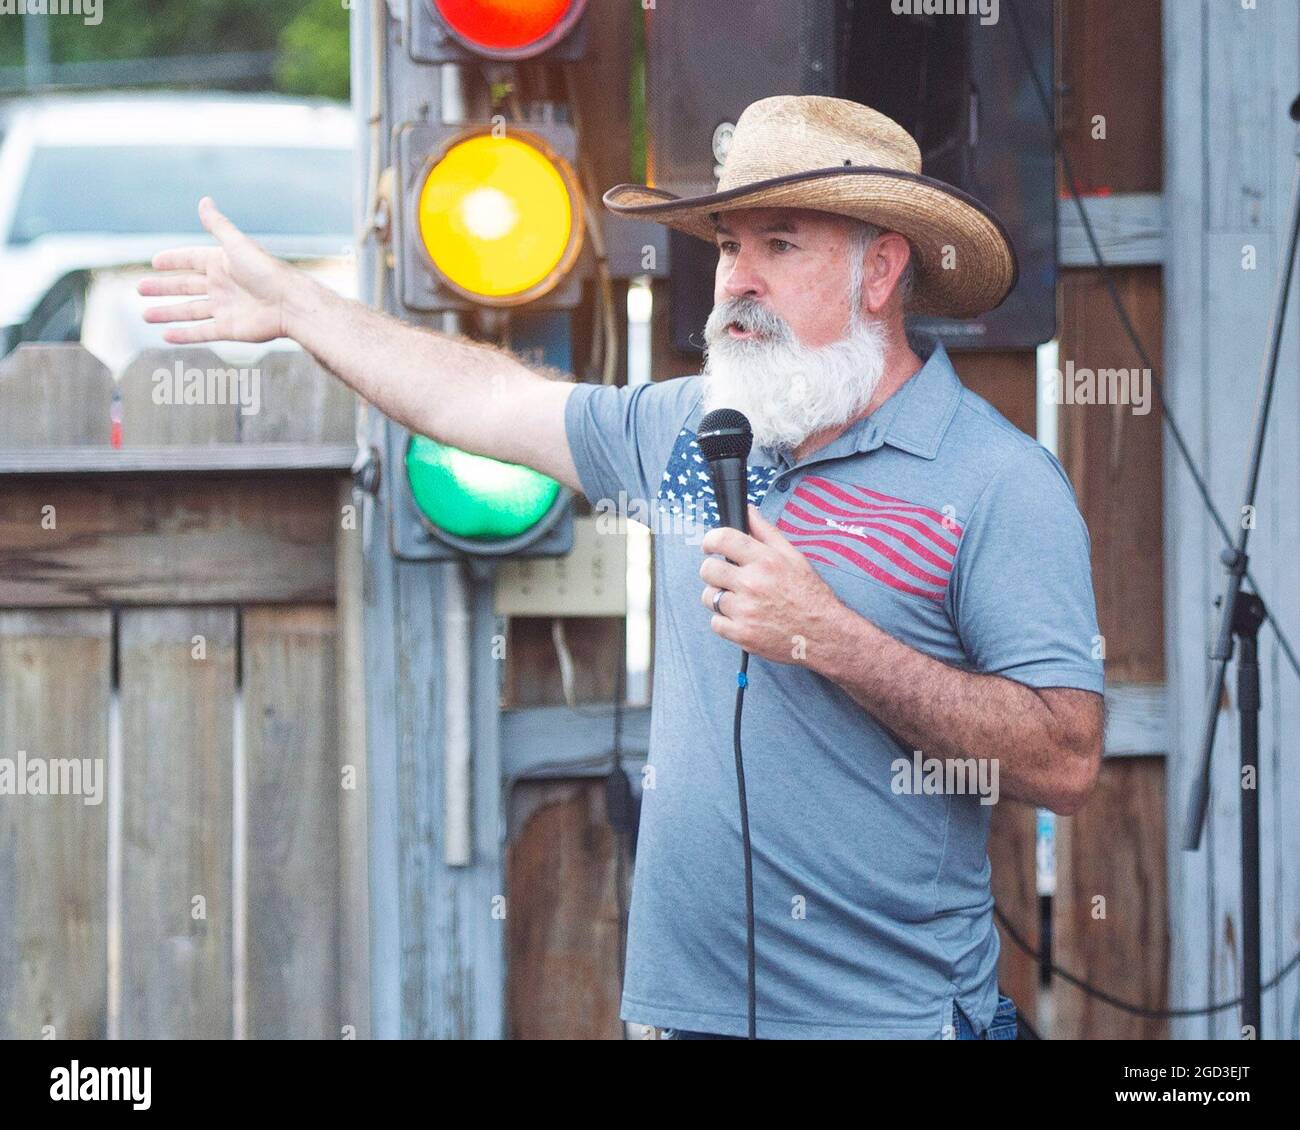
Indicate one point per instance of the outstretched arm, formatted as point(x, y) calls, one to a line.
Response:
point(472, 396)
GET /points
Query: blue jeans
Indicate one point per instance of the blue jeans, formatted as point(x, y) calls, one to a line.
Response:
point(1003, 1026)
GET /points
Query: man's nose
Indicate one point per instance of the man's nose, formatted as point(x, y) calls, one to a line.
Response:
point(741, 280)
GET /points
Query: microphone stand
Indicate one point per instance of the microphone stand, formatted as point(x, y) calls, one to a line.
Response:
point(1241, 615)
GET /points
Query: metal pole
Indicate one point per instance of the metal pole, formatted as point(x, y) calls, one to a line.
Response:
point(36, 50)
point(1250, 615)
point(458, 798)
point(368, 23)
point(458, 793)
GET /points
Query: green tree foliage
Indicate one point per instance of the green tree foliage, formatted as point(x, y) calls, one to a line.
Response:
point(314, 51)
point(310, 37)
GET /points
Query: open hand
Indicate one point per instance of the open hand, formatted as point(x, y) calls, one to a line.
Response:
point(238, 289)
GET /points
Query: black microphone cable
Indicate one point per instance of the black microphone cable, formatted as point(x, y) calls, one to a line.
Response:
point(725, 439)
point(742, 681)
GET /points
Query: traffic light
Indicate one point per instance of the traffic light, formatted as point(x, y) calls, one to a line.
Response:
point(489, 224)
point(491, 215)
point(460, 31)
point(452, 503)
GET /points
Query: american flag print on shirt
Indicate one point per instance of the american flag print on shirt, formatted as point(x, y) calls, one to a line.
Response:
point(686, 488)
point(907, 547)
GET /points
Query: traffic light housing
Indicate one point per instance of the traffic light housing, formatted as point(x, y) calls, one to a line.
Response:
point(490, 219)
point(488, 224)
point(449, 503)
point(461, 31)
point(489, 215)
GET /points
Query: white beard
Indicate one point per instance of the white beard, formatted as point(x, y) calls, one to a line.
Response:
point(787, 391)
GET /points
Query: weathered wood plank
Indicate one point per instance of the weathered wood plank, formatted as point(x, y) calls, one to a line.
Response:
point(1130, 230)
point(425, 960)
point(55, 673)
point(54, 396)
point(386, 832)
point(1247, 128)
point(554, 741)
point(1113, 454)
point(300, 403)
point(1112, 928)
point(1135, 720)
point(564, 933)
point(154, 411)
point(354, 901)
point(1103, 91)
point(126, 541)
point(1275, 549)
point(223, 458)
point(291, 721)
point(452, 918)
point(178, 710)
point(1186, 523)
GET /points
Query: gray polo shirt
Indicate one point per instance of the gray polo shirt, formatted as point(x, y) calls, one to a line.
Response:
point(947, 527)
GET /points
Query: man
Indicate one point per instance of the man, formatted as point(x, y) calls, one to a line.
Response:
point(914, 591)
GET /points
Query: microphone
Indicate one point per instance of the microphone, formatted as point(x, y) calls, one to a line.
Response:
point(725, 438)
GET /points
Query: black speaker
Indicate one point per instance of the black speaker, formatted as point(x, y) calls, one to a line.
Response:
point(705, 62)
point(958, 83)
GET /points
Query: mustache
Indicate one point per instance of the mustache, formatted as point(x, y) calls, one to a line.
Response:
point(751, 316)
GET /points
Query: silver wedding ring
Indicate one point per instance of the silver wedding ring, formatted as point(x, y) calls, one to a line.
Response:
point(717, 599)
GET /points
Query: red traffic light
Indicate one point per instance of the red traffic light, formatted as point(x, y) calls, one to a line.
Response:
point(509, 29)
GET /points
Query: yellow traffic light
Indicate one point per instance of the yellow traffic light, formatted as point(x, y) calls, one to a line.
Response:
point(500, 217)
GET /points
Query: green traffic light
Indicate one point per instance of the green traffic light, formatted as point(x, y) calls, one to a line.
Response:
point(472, 496)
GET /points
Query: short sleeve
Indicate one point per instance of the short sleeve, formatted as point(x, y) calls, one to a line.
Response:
point(620, 437)
point(1022, 595)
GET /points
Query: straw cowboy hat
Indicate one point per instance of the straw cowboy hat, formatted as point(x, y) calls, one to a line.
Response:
point(842, 157)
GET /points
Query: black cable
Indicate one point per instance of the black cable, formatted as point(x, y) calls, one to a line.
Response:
point(1130, 330)
point(1126, 1006)
point(742, 680)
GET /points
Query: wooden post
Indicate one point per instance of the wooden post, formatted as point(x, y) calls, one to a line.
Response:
point(1231, 73)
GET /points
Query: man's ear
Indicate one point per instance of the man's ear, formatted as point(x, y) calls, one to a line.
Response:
point(887, 258)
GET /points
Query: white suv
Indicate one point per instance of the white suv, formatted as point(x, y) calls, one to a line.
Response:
point(91, 184)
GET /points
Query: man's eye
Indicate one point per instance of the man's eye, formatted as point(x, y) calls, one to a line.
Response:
point(728, 247)
point(781, 245)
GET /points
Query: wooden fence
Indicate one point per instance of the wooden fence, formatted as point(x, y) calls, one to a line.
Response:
point(179, 612)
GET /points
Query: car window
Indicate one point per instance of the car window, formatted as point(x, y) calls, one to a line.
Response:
point(143, 189)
